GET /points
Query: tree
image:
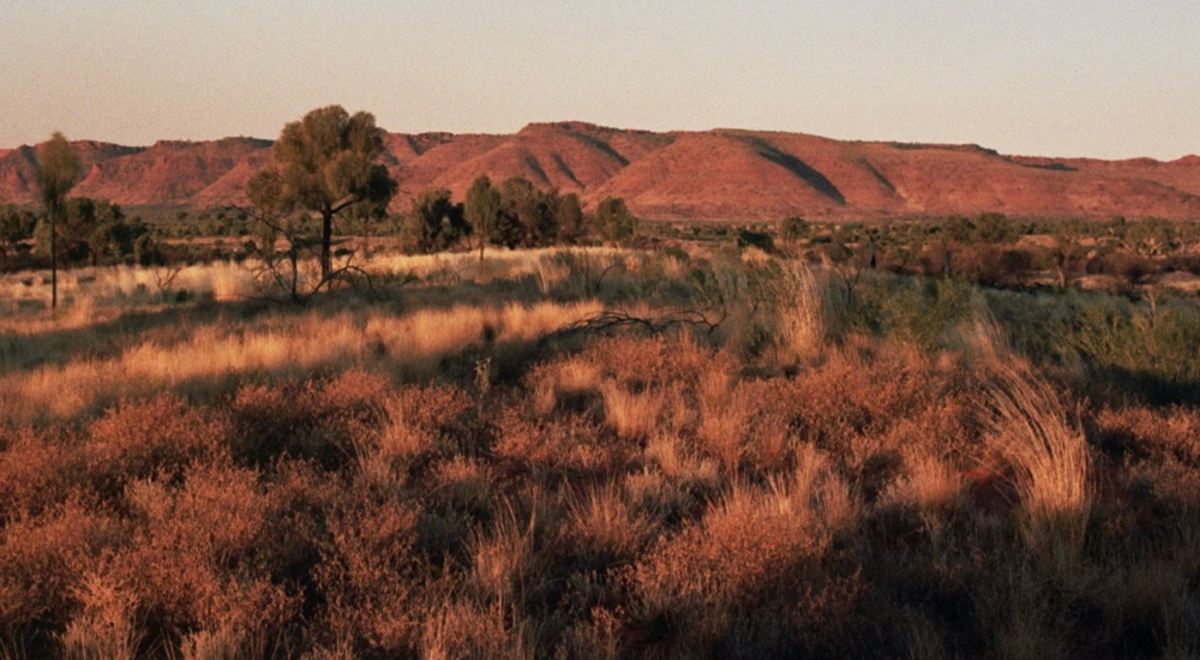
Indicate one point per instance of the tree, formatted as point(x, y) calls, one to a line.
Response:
point(16, 225)
point(957, 228)
point(527, 215)
point(268, 208)
point(1067, 254)
point(613, 221)
point(57, 170)
point(325, 163)
point(570, 219)
point(993, 228)
point(434, 223)
point(481, 209)
point(366, 219)
point(1151, 237)
point(110, 234)
point(89, 228)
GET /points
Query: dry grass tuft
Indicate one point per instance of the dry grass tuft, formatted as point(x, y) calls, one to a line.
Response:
point(106, 628)
point(369, 574)
point(1050, 457)
point(808, 317)
point(604, 529)
point(632, 414)
point(502, 560)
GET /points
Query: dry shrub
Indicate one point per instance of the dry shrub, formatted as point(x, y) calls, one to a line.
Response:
point(929, 483)
point(742, 427)
point(319, 420)
point(570, 383)
point(420, 424)
point(651, 384)
point(442, 414)
point(200, 561)
point(727, 408)
point(1141, 433)
point(1012, 604)
point(222, 644)
point(44, 558)
point(665, 500)
point(159, 437)
point(106, 628)
point(807, 315)
point(894, 397)
point(923, 639)
point(503, 560)
point(750, 545)
point(457, 494)
point(929, 490)
point(463, 483)
point(597, 638)
point(676, 481)
point(640, 363)
point(370, 576)
point(1147, 609)
point(564, 445)
point(37, 470)
point(1050, 458)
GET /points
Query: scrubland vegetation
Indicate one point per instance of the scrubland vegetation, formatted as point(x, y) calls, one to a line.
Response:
point(596, 453)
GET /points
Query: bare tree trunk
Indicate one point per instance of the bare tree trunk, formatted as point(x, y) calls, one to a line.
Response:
point(54, 258)
point(294, 256)
point(326, 243)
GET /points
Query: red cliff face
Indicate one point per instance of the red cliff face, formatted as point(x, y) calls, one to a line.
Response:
point(713, 175)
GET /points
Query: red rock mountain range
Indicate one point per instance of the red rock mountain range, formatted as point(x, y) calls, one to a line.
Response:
point(712, 175)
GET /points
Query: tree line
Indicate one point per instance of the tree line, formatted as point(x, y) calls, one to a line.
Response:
point(513, 214)
point(324, 168)
point(70, 229)
point(87, 230)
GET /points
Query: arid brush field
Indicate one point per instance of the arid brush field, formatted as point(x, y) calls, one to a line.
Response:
point(671, 452)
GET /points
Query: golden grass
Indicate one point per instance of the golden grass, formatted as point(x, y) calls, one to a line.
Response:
point(606, 528)
point(1050, 456)
point(803, 317)
point(502, 559)
point(550, 265)
point(632, 414)
point(215, 355)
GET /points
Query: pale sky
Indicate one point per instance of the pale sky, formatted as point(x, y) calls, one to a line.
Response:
point(1099, 78)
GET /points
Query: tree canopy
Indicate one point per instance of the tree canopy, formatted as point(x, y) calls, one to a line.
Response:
point(613, 221)
point(434, 223)
point(16, 225)
point(481, 209)
point(57, 170)
point(325, 163)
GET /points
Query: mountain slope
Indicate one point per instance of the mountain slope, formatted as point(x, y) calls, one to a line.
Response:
point(721, 174)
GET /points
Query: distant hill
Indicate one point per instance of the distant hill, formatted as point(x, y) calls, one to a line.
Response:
point(721, 174)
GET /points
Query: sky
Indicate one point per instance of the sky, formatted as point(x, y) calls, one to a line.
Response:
point(1095, 78)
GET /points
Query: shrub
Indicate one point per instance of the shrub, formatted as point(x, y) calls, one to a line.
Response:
point(158, 437)
point(43, 559)
point(200, 561)
point(369, 576)
point(320, 420)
